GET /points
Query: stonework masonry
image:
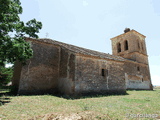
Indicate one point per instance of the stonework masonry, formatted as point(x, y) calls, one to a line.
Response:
point(57, 67)
point(131, 45)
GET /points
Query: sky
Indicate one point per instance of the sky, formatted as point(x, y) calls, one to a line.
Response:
point(91, 23)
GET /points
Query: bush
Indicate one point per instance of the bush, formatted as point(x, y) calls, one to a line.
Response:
point(5, 75)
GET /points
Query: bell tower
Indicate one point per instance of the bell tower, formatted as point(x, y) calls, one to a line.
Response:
point(130, 45)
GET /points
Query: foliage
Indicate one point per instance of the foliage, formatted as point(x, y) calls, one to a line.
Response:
point(13, 32)
point(5, 75)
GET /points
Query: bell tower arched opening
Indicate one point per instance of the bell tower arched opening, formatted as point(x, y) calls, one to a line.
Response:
point(119, 47)
point(126, 45)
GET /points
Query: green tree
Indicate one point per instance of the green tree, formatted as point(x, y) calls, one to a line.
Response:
point(13, 32)
point(5, 75)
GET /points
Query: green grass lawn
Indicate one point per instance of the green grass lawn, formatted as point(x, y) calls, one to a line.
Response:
point(100, 107)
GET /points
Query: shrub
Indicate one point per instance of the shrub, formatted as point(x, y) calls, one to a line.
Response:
point(5, 75)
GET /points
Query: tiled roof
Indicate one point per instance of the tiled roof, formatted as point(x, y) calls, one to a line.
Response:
point(80, 50)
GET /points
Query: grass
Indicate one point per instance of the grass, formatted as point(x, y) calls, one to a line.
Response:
point(101, 107)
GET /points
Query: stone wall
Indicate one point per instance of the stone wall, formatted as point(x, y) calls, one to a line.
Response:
point(40, 74)
point(58, 67)
point(136, 67)
point(67, 72)
point(137, 76)
point(136, 56)
point(90, 79)
point(136, 47)
point(136, 43)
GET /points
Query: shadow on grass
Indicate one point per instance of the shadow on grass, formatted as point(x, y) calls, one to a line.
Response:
point(4, 100)
point(89, 95)
point(5, 93)
point(80, 96)
point(73, 97)
point(140, 90)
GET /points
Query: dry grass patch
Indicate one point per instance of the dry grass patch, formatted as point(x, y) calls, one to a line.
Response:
point(86, 115)
point(48, 107)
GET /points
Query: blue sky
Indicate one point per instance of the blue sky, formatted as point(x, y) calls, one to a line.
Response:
point(91, 23)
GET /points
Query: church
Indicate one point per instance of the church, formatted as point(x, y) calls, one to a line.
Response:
point(58, 67)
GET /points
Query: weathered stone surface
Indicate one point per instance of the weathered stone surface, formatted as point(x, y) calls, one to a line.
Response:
point(139, 73)
point(136, 46)
point(136, 67)
point(40, 75)
point(89, 77)
point(71, 70)
point(67, 72)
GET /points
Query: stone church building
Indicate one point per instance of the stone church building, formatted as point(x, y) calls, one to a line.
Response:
point(58, 67)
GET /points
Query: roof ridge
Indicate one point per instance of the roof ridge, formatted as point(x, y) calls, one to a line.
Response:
point(80, 50)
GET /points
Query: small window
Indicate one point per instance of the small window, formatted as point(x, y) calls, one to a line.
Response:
point(138, 68)
point(142, 80)
point(126, 45)
point(119, 47)
point(104, 72)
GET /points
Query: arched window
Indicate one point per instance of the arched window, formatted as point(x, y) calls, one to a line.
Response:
point(119, 47)
point(126, 45)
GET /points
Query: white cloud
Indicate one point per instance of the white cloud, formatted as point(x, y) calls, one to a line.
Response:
point(85, 3)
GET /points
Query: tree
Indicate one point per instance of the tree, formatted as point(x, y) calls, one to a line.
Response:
point(13, 32)
point(5, 75)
